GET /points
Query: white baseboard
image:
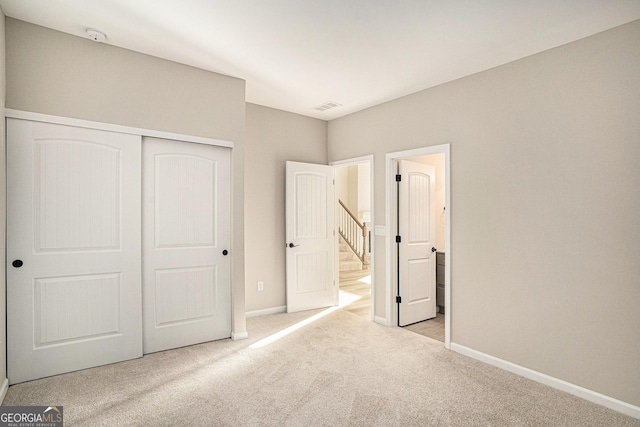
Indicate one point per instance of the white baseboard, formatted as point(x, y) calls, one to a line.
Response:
point(381, 320)
point(576, 390)
point(236, 336)
point(3, 389)
point(265, 311)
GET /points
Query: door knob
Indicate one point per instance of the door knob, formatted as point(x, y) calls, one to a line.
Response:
point(291, 245)
point(225, 252)
point(433, 249)
point(17, 263)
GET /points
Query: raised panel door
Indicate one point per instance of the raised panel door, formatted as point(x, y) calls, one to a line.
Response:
point(310, 250)
point(73, 222)
point(417, 231)
point(186, 244)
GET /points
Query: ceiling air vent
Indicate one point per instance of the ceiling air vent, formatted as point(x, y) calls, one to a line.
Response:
point(327, 105)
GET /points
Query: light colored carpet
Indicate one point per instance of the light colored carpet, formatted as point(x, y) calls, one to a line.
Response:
point(332, 368)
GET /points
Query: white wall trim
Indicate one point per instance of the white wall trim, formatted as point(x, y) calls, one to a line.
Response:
point(354, 161)
point(390, 172)
point(38, 117)
point(267, 311)
point(3, 390)
point(236, 336)
point(381, 320)
point(576, 390)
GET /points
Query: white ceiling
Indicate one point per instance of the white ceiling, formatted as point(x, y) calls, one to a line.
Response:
point(298, 54)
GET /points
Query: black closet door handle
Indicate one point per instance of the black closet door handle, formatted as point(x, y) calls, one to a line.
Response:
point(225, 252)
point(17, 263)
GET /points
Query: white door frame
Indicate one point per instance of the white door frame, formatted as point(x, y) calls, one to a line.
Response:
point(391, 215)
point(350, 162)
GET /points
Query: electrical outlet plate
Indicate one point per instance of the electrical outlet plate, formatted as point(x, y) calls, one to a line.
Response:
point(260, 286)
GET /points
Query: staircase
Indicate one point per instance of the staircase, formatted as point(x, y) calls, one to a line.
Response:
point(349, 261)
point(353, 241)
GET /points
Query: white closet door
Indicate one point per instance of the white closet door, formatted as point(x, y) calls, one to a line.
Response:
point(186, 243)
point(73, 249)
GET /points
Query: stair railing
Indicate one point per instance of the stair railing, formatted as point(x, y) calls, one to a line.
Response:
point(353, 232)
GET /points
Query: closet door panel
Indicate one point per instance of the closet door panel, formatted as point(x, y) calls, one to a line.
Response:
point(73, 248)
point(186, 244)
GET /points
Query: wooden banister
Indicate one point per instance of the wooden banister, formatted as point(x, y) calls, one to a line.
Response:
point(353, 232)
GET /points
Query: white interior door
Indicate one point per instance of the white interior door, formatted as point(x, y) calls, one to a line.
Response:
point(310, 218)
point(417, 258)
point(73, 249)
point(186, 244)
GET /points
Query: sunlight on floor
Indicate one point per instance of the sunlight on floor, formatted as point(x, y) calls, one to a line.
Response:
point(345, 299)
point(366, 279)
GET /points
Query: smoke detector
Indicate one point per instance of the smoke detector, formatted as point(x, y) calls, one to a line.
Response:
point(95, 35)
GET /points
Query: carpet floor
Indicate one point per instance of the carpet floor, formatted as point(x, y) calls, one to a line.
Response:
point(323, 367)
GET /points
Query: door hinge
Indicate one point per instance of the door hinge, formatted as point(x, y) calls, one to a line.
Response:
point(399, 299)
point(398, 178)
point(398, 239)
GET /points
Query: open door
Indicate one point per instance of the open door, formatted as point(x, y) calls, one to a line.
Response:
point(417, 252)
point(310, 239)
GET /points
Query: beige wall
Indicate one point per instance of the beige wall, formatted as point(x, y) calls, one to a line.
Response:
point(272, 138)
point(353, 185)
point(347, 187)
point(3, 208)
point(545, 205)
point(364, 189)
point(352, 188)
point(342, 187)
point(55, 73)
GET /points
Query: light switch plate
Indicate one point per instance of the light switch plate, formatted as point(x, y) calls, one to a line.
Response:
point(381, 230)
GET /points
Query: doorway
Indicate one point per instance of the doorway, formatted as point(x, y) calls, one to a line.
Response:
point(439, 156)
point(354, 205)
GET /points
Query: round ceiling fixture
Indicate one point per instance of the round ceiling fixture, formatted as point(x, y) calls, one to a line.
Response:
point(95, 35)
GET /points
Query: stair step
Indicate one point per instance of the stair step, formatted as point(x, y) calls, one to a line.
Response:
point(350, 265)
point(348, 260)
point(347, 256)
